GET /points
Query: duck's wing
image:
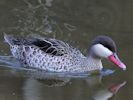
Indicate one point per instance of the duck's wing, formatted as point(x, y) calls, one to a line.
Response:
point(54, 47)
point(47, 45)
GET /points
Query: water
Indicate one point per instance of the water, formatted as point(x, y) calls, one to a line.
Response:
point(76, 22)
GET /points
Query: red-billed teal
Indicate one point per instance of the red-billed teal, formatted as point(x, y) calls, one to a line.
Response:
point(54, 55)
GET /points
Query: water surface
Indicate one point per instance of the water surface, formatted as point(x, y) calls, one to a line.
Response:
point(76, 22)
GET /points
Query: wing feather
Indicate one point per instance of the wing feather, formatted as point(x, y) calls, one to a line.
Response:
point(53, 46)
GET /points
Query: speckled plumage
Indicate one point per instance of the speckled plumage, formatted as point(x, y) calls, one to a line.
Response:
point(51, 55)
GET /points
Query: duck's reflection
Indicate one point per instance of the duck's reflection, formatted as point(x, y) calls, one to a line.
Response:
point(105, 93)
point(90, 88)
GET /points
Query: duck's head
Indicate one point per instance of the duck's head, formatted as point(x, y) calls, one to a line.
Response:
point(105, 47)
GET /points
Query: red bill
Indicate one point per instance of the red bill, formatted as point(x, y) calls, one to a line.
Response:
point(114, 58)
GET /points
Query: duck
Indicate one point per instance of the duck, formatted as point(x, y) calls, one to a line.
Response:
point(54, 55)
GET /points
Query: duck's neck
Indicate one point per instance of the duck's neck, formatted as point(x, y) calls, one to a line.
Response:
point(92, 63)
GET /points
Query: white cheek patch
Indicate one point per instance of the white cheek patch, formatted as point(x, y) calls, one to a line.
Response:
point(101, 51)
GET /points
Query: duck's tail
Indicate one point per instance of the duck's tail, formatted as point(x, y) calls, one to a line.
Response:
point(9, 39)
